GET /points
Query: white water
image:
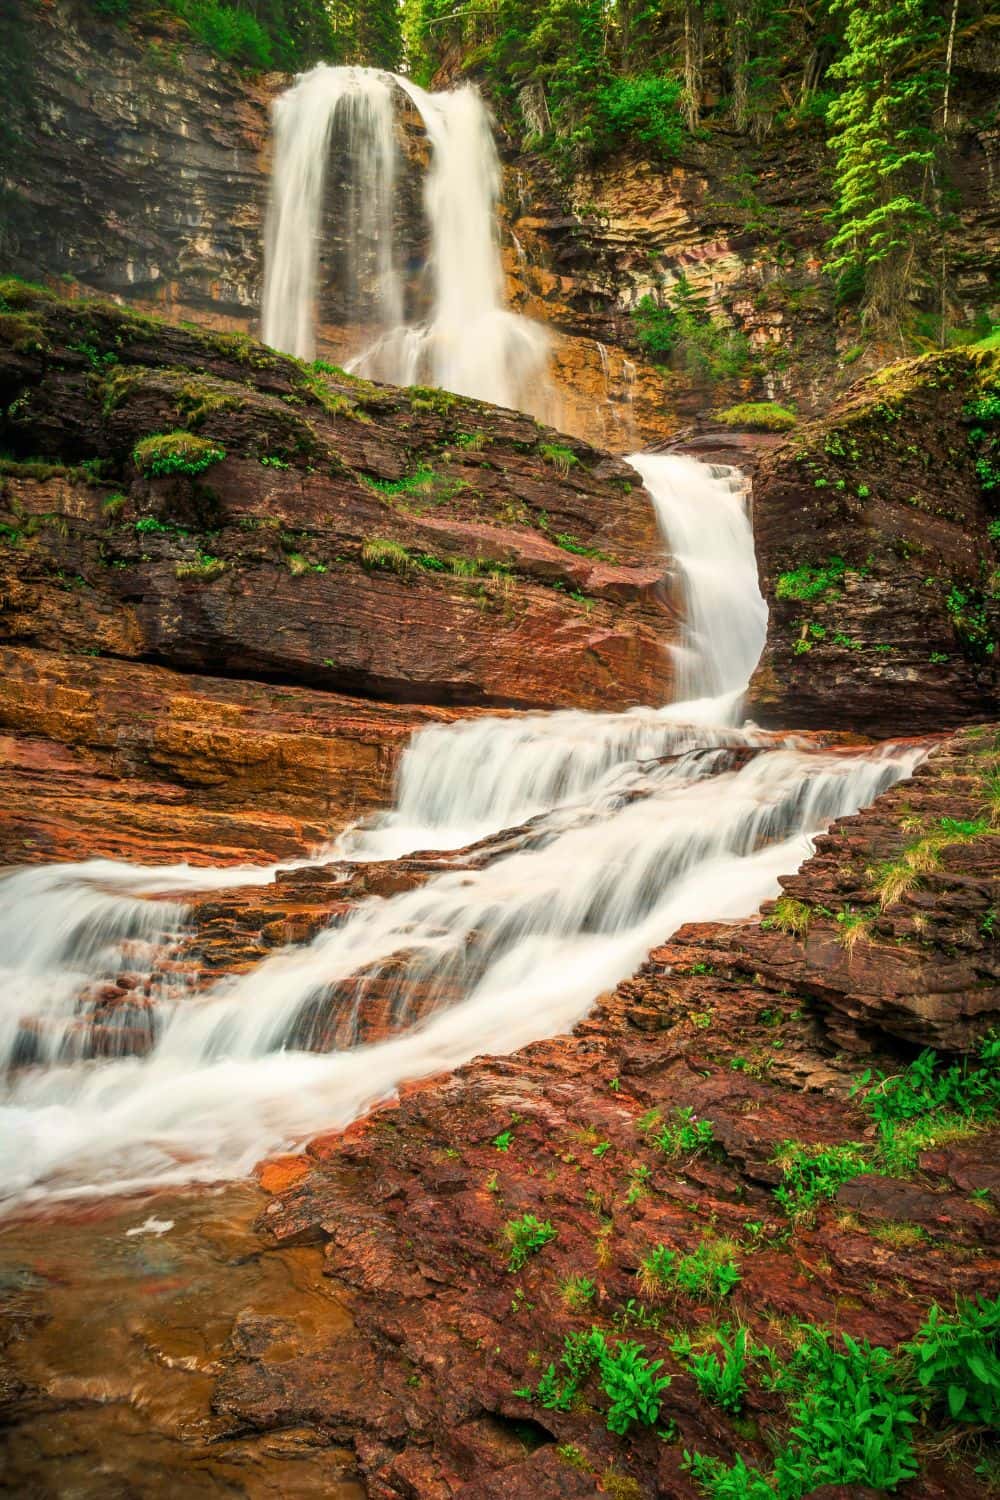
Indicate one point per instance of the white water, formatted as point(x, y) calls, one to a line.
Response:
point(469, 342)
point(639, 822)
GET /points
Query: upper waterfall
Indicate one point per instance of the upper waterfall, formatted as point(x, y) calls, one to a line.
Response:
point(448, 326)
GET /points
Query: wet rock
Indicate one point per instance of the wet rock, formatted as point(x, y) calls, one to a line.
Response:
point(875, 555)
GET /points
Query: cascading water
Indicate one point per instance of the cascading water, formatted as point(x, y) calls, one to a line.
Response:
point(630, 824)
point(469, 342)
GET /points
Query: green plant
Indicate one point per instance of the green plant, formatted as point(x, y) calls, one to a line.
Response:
point(176, 453)
point(629, 1380)
point(577, 1291)
point(811, 1173)
point(956, 1362)
point(206, 566)
point(711, 1270)
point(562, 458)
point(789, 916)
point(723, 1383)
point(758, 416)
point(504, 1140)
point(526, 1236)
point(683, 1134)
point(645, 108)
point(389, 556)
point(811, 581)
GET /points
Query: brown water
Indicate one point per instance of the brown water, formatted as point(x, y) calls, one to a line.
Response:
point(111, 1344)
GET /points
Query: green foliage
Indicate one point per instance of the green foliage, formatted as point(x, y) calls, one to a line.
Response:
point(789, 916)
point(392, 557)
point(956, 1363)
point(811, 581)
point(504, 1140)
point(683, 329)
point(559, 456)
point(204, 567)
point(852, 1406)
point(287, 34)
point(758, 416)
point(176, 453)
point(631, 1382)
point(712, 1270)
point(723, 1383)
point(526, 1236)
point(850, 1421)
point(815, 1172)
point(683, 1134)
point(884, 144)
point(644, 109)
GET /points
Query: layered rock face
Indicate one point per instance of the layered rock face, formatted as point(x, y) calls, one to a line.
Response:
point(876, 541)
point(729, 1026)
point(305, 530)
point(311, 528)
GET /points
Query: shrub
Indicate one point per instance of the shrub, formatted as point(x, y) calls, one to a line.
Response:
point(647, 108)
point(176, 453)
point(758, 416)
point(526, 1236)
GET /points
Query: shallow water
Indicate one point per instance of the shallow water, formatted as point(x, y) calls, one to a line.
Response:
point(116, 1320)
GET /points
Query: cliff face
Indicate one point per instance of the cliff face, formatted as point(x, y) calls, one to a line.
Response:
point(878, 555)
point(137, 166)
point(132, 162)
point(194, 501)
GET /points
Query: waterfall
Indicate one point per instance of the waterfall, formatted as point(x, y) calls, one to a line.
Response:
point(598, 835)
point(469, 341)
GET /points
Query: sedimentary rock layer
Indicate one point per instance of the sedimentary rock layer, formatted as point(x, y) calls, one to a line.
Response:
point(879, 560)
point(302, 526)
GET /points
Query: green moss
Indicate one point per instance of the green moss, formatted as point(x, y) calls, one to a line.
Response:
point(758, 416)
point(22, 333)
point(15, 293)
point(197, 400)
point(176, 453)
point(205, 567)
point(429, 398)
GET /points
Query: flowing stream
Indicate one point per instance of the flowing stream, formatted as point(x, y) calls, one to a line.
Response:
point(608, 832)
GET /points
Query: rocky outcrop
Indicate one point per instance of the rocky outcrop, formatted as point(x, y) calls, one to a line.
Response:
point(732, 1026)
point(117, 760)
point(197, 501)
point(879, 559)
point(133, 162)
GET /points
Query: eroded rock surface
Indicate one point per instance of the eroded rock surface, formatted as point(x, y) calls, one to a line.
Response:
point(878, 561)
point(410, 546)
point(731, 1023)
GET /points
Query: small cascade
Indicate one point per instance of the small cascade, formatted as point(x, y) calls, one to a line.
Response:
point(617, 413)
point(468, 342)
point(601, 834)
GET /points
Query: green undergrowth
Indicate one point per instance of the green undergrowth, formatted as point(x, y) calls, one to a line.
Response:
point(176, 453)
point(852, 1408)
point(928, 1103)
point(758, 416)
point(631, 1383)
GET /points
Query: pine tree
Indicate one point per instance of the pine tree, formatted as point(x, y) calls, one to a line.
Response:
point(884, 144)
